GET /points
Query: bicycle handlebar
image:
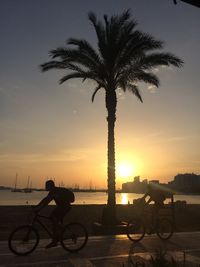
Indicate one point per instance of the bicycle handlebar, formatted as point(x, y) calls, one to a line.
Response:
point(37, 213)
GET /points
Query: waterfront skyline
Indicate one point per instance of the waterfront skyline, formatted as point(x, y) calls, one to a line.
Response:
point(51, 130)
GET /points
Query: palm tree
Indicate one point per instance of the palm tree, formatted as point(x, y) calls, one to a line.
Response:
point(191, 2)
point(123, 58)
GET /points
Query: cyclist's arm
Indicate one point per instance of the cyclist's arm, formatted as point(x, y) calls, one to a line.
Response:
point(144, 197)
point(149, 200)
point(45, 201)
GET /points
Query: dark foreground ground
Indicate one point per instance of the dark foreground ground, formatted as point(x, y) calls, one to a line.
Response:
point(110, 251)
point(187, 217)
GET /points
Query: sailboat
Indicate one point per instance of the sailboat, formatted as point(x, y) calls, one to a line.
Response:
point(28, 189)
point(15, 186)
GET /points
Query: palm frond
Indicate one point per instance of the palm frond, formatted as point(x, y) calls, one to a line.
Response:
point(95, 91)
point(100, 32)
point(134, 46)
point(85, 48)
point(52, 65)
point(158, 59)
point(84, 59)
point(135, 90)
point(146, 77)
point(61, 52)
point(71, 76)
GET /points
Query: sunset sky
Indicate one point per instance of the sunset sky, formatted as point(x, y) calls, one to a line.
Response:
point(55, 131)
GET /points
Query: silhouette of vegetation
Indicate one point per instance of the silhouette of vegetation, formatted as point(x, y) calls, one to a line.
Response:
point(160, 259)
point(124, 57)
point(191, 2)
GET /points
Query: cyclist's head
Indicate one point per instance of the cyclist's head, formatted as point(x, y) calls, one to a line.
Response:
point(49, 185)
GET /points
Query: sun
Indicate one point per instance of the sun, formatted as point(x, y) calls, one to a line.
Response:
point(124, 170)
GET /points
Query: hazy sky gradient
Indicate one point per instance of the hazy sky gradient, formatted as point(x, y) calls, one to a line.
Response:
point(52, 130)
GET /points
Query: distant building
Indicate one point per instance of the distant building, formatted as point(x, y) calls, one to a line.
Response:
point(188, 183)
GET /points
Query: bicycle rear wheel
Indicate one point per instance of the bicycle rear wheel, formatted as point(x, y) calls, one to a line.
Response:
point(164, 228)
point(135, 230)
point(23, 240)
point(74, 237)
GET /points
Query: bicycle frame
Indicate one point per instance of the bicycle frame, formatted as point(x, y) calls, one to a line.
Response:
point(36, 219)
point(153, 218)
point(70, 238)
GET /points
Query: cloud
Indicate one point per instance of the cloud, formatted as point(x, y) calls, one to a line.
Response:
point(152, 89)
point(61, 156)
point(155, 70)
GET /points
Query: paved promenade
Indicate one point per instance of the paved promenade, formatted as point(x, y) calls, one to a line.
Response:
point(107, 251)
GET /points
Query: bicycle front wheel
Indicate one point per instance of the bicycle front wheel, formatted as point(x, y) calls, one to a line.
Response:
point(164, 228)
point(23, 240)
point(135, 230)
point(74, 237)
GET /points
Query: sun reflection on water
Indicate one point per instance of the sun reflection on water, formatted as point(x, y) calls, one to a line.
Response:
point(124, 198)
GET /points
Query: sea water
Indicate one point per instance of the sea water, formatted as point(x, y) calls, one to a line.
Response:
point(20, 198)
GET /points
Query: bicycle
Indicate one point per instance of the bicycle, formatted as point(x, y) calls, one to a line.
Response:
point(24, 239)
point(137, 227)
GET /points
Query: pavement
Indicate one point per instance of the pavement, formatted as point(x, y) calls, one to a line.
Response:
point(108, 251)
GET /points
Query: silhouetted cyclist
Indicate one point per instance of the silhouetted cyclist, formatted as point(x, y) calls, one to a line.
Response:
point(156, 195)
point(63, 199)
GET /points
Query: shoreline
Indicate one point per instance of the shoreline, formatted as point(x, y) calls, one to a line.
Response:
point(8, 198)
point(2, 188)
point(187, 217)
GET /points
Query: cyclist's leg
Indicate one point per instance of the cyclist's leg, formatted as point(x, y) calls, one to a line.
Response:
point(155, 215)
point(57, 217)
point(55, 228)
point(61, 212)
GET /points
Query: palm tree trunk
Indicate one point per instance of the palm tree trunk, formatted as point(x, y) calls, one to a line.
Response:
point(109, 214)
point(111, 161)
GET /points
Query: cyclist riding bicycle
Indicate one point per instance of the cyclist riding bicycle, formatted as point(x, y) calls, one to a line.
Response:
point(157, 195)
point(63, 199)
